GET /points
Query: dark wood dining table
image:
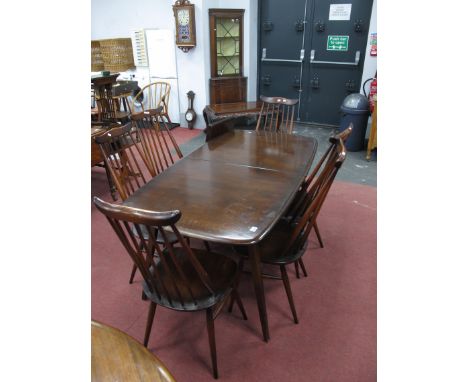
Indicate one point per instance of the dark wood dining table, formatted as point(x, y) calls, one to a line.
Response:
point(233, 190)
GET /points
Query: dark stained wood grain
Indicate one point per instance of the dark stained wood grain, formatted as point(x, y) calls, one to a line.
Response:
point(233, 190)
point(228, 89)
point(115, 356)
point(96, 156)
point(233, 183)
point(235, 108)
point(271, 151)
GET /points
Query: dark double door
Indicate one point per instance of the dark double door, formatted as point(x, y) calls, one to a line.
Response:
point(312, 50)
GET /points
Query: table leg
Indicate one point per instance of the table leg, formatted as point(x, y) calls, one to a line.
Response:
point(254, 256)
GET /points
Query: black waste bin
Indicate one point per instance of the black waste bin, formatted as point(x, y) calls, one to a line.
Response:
point(355, 110)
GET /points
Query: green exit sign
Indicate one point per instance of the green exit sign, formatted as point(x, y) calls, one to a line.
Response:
point(339, 43)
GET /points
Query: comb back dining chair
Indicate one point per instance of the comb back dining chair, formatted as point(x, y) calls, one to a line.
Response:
point(299, 203)
point(287, 242)
point(128, 162)
point(125, 158)
point(161, 148)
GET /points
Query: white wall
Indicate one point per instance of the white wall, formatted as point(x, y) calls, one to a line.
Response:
point(117, 18)
point(370, 62)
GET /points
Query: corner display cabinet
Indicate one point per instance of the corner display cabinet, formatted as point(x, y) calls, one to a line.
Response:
point(227, 83)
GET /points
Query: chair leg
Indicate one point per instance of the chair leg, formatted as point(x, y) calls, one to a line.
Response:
point(317, 232)
point(301, 263)
point(296, 266)
point(212, 340)
point(149, 322)
point(235, 297)
point(231, 303)
point(132, 275)
point(168, 119)
point(284, 276)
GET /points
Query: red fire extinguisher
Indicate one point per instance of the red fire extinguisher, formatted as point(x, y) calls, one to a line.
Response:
point(372, 92)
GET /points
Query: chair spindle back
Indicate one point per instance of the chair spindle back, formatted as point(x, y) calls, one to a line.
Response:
point(276, 114)
point(334, 140)
point(160, 146)
point(105, 104)
point(125, 158)
point(167, 276)
point(153, 96)
point(315, 196)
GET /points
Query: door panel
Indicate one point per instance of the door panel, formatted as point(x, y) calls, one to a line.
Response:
point(321, 87)
point(282, 40)
point(321, 102)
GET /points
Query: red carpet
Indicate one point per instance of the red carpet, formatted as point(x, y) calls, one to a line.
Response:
point(335, 340)
point(182, 134)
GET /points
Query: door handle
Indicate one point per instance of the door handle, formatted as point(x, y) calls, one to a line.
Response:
point(264, 58)
point(355, 63)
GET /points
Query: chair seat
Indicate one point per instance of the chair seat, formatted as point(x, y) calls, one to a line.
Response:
point(159, 238)
point(221, 272)
point(273, 246)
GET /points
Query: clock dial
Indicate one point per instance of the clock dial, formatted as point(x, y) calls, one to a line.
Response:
point(183, 17)
point(188, 116)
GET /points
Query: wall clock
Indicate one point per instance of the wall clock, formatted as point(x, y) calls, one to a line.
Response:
point(184, 14)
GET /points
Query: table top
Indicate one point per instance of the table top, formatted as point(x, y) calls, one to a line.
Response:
point(234, 188)
point(115, 357)
point(236, 108)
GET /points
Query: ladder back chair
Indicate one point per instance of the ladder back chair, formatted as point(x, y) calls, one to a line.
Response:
point(161, 148)
point(109, 107)
point(180, 278)
point(153, 96)
point(276, 114)
point(287, 242)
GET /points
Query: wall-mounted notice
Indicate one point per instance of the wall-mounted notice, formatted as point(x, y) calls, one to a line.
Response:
point(338, 43)
point(340, 12)
point(373, 44)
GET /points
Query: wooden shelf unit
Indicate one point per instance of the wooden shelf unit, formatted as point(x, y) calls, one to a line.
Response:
point(227, 83)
